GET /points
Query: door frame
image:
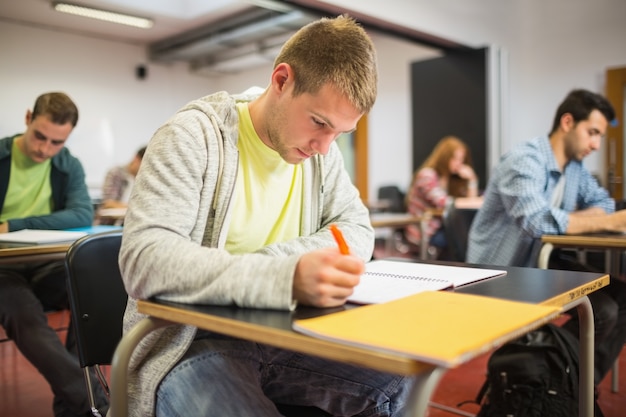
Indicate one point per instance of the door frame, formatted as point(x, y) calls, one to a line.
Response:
point(614, 154)
point(361, 158)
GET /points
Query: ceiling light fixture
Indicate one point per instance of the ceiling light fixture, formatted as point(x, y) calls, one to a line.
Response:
point(114, 17)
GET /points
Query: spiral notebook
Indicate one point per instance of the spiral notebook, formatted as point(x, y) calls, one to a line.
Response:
point(386, 280)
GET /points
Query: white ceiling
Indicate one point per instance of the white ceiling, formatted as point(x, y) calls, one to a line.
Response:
point(212, 35)
point(171, 17)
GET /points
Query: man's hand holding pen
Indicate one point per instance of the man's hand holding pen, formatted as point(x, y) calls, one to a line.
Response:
point(326, 277)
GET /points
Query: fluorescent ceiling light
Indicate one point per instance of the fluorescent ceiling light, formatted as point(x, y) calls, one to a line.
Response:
point(114, 17)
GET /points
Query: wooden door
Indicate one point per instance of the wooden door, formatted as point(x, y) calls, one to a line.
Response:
point(353, 147)
point(449, 97)
point(614, 160)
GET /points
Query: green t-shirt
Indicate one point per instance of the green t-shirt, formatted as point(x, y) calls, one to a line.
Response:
point(29, 193)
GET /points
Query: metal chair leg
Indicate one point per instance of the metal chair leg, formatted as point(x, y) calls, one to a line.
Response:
point(90, 393)
point(121, 359)
point(615, 376)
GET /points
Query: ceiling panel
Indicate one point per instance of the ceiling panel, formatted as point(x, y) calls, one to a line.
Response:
point(168, 21)
point(203, 33)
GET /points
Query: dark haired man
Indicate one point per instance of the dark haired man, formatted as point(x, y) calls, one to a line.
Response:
point(541, 187)
point(42, 186)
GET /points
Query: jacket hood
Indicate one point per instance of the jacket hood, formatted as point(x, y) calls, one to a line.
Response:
point(220, 107)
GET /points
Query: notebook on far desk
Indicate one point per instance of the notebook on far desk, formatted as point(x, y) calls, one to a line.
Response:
point(39, 237)
point(43, 236)
point(386, 280)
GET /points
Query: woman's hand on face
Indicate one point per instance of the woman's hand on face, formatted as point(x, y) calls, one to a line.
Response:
point(466, 172)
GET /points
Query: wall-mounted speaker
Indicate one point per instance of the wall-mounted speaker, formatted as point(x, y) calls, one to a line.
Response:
point(141, 72)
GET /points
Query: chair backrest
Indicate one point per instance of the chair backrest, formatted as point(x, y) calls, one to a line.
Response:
point(98, 301)
point(456, 223)
point(394, 196)
point(97, 296)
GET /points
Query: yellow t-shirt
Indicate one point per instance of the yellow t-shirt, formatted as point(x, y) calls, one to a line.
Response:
point(29, 193)
point(267, 202)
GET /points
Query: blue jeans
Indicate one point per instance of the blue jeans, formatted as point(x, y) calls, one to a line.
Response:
point(222, 376)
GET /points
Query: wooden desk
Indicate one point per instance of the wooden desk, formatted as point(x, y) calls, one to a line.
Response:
point(395, 220)
point(19, 253)
point(564, 289)
point(114, 216)
point(611, 243)
point(400, 221)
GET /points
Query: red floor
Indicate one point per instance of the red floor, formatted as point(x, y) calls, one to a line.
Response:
point(463, 383)
point(24, 393)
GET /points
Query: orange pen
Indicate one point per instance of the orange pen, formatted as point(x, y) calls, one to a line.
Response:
point(341, 242)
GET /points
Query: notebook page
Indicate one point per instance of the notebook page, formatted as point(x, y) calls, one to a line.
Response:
point(377, 288)
point(386, 280)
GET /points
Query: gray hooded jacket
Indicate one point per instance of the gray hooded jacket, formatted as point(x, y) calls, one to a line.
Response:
point(176, 227)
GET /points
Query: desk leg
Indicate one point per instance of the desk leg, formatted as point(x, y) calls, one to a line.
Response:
point(390, 243)
point(544, 255)
point(121, 359)
point(586, 358)
point(423, 388)
point(613, 262)
point(424, 237)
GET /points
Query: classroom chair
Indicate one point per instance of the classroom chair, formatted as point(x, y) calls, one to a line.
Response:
point(97, 302)
point(394, 197)
point(456, 224)
point(391, 199)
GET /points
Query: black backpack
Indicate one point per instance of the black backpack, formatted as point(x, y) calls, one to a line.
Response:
point(533, 376)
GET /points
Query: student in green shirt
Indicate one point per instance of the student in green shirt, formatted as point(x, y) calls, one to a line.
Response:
point(42, 186)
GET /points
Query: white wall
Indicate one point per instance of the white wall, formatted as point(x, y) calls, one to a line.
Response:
point(119, 113)
point(553, 46)
point(390, 130)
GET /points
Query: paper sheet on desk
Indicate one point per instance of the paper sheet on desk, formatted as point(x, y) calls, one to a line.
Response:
point(112, 212)
point(386, 280)
point(36, 237)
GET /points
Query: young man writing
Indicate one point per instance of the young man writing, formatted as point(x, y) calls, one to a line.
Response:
point(232, 205)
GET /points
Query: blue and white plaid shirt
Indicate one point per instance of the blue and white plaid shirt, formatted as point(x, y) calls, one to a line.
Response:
point(517, 207)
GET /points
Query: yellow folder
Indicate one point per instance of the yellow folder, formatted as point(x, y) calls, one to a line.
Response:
point(439, 327)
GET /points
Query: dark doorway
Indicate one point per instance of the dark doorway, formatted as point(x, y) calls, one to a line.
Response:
point(449, 97)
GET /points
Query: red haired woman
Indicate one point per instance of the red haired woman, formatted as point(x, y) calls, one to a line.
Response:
point(445, 177)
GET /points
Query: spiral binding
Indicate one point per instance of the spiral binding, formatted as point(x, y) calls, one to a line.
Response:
point(417, 278)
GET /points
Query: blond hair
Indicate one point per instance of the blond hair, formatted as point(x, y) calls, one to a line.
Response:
point(334, 51)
